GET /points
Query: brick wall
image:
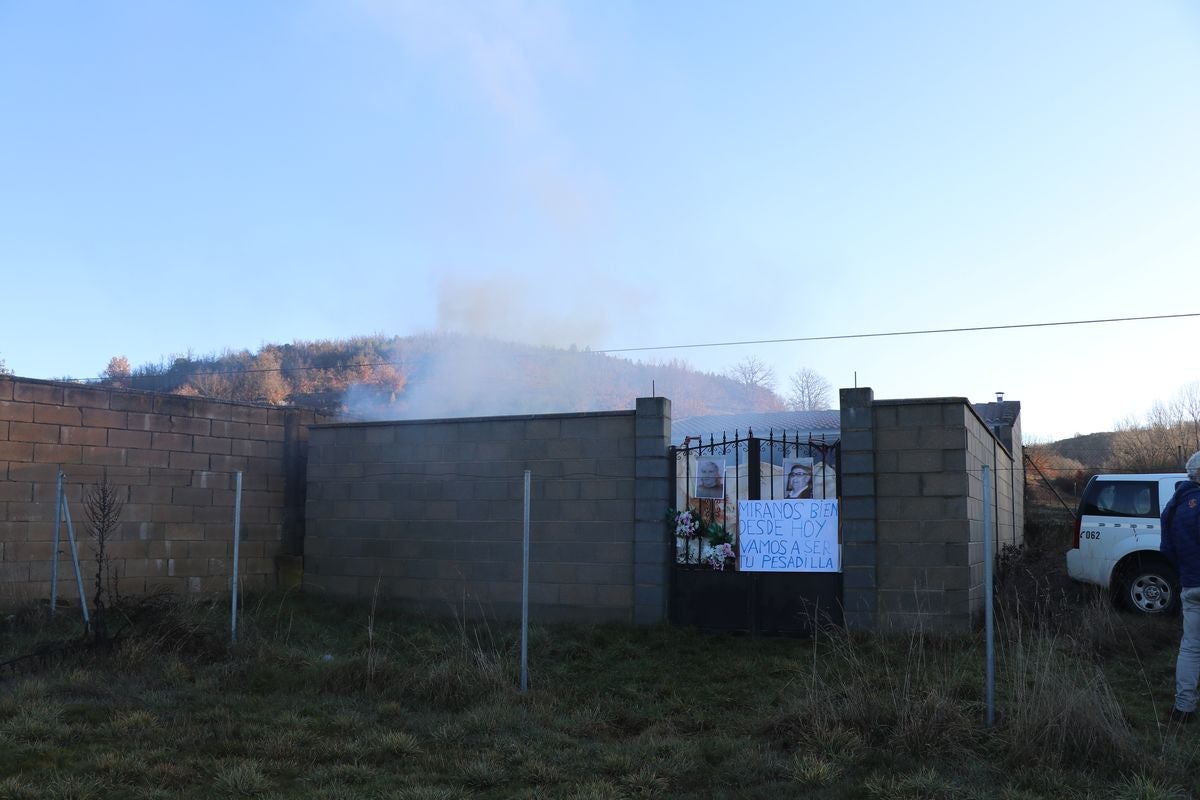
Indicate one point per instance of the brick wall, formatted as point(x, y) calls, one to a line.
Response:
point(173, 461)
point(431, 512)
point(913, 509)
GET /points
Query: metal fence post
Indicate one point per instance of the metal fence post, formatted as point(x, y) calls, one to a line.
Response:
point(988, 559)
point(237, 535)
point(66, 509)
point(525, 592)
point(58, 509)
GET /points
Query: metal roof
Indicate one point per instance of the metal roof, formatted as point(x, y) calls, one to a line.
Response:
point(816, 423)
point(790, 422)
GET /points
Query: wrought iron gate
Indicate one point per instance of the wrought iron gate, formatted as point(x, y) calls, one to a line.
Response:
point(710, 478)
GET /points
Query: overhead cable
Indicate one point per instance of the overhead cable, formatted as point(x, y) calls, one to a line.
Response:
point(899, 333)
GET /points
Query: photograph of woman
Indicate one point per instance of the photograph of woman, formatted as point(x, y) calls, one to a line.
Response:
point(710, 479)
point(799, 478)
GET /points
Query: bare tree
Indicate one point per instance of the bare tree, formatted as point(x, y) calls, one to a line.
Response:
point(103, 508)
point(1145, 448)
point(752, 372)
point(1170, 433)
point(210, 384)
point(1185, 411)
point(810, 391)
point(3, 369)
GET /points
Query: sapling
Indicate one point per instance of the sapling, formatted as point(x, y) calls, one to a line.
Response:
point(103, 508)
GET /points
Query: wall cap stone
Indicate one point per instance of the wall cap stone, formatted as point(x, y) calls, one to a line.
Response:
point(460, 420)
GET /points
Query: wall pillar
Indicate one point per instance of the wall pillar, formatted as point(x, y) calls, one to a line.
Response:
point(858, 509)
point(652, 498)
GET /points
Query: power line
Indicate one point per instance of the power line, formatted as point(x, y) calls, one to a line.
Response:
point(899, 333)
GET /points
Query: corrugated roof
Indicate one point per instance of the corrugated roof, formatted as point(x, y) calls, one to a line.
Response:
point(790, 422)
point(828, 423)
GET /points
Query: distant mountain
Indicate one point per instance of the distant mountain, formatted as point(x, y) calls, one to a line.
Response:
point(442, 375)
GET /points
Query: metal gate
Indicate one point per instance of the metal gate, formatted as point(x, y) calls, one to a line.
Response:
point(709, 479)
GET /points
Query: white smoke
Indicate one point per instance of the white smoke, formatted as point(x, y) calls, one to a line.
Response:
point(508, 307)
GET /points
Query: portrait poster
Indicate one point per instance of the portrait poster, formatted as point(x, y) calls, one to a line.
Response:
point(797, 479)
point(709, 481)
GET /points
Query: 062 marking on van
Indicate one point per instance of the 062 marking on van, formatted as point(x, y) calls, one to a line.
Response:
point(1090, 534)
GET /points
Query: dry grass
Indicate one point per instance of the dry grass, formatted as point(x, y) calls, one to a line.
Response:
point(322, 700)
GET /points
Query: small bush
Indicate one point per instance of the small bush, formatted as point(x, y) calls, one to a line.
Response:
point(597, 790)
point(397, 743)
point(481, 773)
point(119, 767)
point(455, 680)
point(809, 769)
point(1143, 787)
point(923, 784)
point(14, 788)
point(67, 786)
point(426, 793)
point(242, 778)
point(37, 720)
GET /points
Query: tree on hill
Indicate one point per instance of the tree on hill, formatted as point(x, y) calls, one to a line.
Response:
point(118, 371)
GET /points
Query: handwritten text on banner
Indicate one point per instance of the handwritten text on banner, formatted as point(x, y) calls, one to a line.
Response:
point(788, 536)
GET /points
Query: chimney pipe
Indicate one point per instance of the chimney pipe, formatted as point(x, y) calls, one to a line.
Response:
point(999, 397)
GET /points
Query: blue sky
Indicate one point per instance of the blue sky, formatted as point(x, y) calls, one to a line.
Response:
point(214, 175)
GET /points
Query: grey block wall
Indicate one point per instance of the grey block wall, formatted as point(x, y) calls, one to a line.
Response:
point(652, 547)
point(918, 517)
point(431, 512)
point(173, 461)
point(857, 509)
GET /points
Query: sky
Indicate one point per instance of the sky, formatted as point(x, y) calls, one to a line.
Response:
point(200, 176)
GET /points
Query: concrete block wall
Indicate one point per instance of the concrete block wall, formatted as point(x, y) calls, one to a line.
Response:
point(173, 461)
point(921, 509)
point(430, 512)
point(984, 449)
point(857, 509)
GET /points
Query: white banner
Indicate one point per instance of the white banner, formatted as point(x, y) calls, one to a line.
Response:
point(788, 536)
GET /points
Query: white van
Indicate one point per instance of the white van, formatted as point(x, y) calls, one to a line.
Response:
point(1116, 540)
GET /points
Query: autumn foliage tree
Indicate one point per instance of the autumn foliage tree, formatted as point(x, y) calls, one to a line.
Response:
point(118, 370)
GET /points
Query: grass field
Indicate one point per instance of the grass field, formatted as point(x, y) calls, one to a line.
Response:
point(322, 699)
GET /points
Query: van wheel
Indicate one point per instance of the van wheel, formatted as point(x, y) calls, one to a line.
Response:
point(1148, 585)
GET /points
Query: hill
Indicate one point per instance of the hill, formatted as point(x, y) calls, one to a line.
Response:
point(440, 375)
point(1098, 450)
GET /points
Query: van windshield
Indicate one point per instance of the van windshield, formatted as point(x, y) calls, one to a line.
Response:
point(1120, 499)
